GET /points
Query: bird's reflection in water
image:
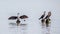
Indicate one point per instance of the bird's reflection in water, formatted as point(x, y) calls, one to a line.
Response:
point(45, 29)
point(43, 25)
point(21, 29)
point(48, 29)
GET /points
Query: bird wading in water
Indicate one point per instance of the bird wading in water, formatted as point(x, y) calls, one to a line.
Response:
point(48, 19)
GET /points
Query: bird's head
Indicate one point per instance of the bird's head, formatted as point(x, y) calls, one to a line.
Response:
point(44, 12)
point(18, 13)
point(49, 13)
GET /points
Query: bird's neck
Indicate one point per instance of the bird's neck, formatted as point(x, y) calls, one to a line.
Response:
point(44, 13)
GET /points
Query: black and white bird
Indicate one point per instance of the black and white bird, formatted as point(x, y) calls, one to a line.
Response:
point(42, 15)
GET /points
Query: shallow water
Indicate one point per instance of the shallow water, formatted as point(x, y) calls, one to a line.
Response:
point(14, 29)
point(33, 9)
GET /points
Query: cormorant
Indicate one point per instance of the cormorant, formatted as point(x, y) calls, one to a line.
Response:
point(48, 19)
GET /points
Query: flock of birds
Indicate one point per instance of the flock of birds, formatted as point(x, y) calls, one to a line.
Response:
point(46, 19)
point(43, 18)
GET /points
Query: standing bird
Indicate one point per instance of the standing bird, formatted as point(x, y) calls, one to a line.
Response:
point(48, 19)
point(42, 15)
point(14, 18)
point(42, 19)
point(18, 21)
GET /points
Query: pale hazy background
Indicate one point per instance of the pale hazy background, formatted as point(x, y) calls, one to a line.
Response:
point(34, 9)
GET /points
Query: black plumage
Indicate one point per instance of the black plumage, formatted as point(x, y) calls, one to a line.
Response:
point(42, 20)
point(12, 18)
point(18, 21)
point(42, 16)
point(47, 22)
point(46, 17)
